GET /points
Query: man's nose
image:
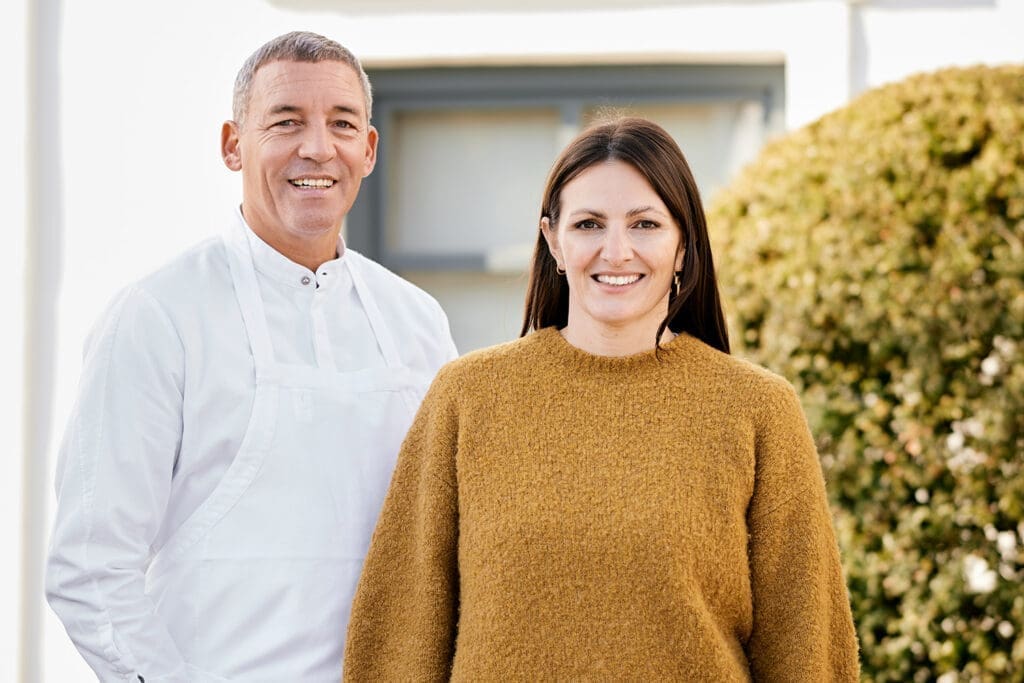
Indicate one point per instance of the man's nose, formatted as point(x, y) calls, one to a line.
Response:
point(617, 247)
point(316, 144)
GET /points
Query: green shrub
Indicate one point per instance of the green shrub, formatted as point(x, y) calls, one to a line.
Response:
point(876, 259)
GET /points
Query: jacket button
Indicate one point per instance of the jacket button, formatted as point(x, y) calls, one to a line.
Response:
point(306, 280)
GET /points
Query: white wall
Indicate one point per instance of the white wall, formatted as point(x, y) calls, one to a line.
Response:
point(146, 85)
point(832, 49)
point(811, 38)
point(895, 39)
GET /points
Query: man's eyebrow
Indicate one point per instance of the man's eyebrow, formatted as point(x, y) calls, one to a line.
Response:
point(342, 109)
point(283, 109)
point(292, 109)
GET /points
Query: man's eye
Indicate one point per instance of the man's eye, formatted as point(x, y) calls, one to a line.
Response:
point(287, 123)
point(343, 124)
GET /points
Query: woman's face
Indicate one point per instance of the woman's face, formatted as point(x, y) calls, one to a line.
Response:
point(620, 248)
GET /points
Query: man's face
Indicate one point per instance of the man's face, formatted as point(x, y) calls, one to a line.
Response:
point(304, 147)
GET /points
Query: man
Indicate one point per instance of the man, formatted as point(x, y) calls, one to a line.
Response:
point(241, 409)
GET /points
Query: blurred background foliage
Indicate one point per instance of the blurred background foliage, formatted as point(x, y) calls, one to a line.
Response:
point(876, 259)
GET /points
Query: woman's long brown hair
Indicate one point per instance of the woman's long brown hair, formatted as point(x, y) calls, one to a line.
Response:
point(695, 307)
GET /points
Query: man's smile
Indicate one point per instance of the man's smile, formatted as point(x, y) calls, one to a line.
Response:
point(318, 183)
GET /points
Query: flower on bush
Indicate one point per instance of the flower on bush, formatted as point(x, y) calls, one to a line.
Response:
point(876, 259)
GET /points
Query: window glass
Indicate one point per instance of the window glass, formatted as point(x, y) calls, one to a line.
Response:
point(467, 181)
point(716, 138)
point(465, 152)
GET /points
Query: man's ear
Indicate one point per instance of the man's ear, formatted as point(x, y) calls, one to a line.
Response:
point(371, 151)
point(230, 151)
point(551, 237)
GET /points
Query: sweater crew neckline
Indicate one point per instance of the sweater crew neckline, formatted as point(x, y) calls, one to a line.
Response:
point(552, 337)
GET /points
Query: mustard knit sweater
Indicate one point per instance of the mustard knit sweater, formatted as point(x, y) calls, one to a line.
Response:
point(556, 515)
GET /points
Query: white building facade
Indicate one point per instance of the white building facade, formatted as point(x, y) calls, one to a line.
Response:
point(118, 169)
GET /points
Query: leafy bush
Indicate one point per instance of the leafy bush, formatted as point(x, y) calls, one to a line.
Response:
point(876, 259)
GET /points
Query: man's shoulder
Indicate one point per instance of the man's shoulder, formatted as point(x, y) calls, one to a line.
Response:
point(161, 309)
point(184, 278)
point(410, 312)
point(391, 288)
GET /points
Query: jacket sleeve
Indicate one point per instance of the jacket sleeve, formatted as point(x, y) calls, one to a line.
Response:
point(405, 611)
point(448, 349)
point(803, 628)
point(113, 482)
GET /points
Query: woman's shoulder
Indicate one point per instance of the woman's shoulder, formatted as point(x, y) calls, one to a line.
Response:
point(732, 367)
point(493, 363)
point(737, 378)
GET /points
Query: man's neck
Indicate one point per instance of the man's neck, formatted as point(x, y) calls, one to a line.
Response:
point(311, 250)
point(309, 253)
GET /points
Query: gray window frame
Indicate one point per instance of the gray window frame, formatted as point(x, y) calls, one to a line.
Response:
point(570, 89)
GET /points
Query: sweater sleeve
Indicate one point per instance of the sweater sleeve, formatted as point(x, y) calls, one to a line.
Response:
point(803, 628)
point(405, 612)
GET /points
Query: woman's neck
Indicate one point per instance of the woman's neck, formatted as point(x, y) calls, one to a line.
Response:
point(605, 340)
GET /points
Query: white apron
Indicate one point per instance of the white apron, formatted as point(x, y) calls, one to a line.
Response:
point(257, 584)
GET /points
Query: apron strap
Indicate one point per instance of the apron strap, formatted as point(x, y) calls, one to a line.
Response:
point(247, 291)
point(385, 339)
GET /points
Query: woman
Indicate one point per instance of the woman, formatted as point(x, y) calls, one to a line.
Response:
point(611, 496)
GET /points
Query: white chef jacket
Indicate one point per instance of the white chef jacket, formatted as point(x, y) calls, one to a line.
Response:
point(164, 402)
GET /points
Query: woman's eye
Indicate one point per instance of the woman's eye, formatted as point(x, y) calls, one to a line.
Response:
point(646, 225)
point(587, 225)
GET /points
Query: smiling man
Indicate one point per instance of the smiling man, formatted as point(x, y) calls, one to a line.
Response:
point(241, 409)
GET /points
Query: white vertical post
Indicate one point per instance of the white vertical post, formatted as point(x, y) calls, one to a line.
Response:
point(43, 266)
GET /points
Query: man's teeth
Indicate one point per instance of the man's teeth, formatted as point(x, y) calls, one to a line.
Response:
point(618, 279)
point(312, 182)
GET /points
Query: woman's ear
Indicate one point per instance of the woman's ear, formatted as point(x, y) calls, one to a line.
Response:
point(679, 258)
point(551, 237)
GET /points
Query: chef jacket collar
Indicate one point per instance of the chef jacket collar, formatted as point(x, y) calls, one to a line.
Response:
point(280, 268)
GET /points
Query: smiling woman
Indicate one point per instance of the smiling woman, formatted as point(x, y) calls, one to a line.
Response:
point(630, 188)
point(619, 248)
point(612, 496)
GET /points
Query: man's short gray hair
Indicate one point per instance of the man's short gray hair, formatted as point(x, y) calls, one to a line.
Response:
point(297, 46)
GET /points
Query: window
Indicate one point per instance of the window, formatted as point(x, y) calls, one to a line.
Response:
point(453, 205)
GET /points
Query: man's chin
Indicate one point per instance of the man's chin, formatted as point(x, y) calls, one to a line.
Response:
point(313, 226)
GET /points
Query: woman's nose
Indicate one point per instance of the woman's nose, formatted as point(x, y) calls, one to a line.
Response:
point(617, 247)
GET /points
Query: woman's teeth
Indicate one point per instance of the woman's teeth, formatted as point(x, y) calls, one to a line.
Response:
point(618, 280)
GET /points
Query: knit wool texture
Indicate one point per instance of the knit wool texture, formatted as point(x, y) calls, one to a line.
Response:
point(557, 515)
